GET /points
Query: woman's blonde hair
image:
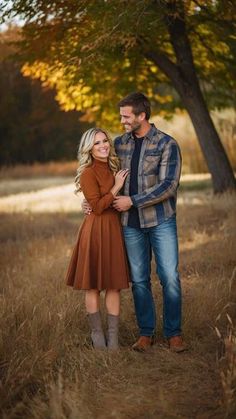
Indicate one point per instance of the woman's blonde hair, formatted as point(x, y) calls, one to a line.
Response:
point(85, 157)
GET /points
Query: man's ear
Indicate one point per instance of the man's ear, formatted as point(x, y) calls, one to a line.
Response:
point(142, 116)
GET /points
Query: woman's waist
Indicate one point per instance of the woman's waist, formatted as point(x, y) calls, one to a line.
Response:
point(106, 212)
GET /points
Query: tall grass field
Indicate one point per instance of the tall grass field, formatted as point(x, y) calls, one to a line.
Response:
point(48, 369)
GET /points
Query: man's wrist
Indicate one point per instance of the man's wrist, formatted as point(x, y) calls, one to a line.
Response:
point(131, 201)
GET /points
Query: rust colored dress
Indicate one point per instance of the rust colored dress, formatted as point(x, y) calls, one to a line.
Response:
point(99, 260)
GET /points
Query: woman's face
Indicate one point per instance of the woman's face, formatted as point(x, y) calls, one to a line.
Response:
point(101, 147)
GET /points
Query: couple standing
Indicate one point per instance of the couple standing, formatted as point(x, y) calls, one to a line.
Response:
point(150, 166)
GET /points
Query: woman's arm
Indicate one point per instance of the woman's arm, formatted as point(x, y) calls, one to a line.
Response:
point(91, 191)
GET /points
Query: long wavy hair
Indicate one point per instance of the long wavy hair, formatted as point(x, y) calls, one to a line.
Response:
point(85, 157)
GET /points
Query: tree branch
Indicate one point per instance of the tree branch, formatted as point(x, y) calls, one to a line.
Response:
point(170, 69)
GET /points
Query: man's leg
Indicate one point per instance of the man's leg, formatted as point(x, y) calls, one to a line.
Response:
point(164, 243)
point(138, 251)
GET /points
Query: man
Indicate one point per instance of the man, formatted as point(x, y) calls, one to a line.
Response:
point(148, 207)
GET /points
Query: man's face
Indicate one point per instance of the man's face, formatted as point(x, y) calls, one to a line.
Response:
point(129, 120)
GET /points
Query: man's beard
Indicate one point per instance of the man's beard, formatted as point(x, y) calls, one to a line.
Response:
point(133, 128)
point(136, 128)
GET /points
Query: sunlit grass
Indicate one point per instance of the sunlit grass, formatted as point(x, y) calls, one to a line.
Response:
point(53, 199)
point(56, 194)
point(16, 186)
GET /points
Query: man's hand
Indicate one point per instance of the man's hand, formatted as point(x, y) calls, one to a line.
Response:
point(122, 203)
point(86, 207)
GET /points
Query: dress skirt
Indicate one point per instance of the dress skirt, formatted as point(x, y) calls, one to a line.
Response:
point(99, 258)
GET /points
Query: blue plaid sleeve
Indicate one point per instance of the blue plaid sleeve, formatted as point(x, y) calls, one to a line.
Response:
point(168, 179)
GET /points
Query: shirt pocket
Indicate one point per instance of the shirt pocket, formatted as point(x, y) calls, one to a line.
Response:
point(151, 162)
point(124, 162)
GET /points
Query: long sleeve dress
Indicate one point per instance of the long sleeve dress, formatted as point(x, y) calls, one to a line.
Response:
point(99, 259)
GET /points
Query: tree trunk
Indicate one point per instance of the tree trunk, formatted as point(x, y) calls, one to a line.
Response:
point(211, 146)
point(184, 79)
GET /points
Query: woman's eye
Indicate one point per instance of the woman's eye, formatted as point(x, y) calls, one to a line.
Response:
point(101, 142)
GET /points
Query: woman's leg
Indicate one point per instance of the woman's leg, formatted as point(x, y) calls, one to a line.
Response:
point(92, 301)
point(94, 317)
point(112, 300)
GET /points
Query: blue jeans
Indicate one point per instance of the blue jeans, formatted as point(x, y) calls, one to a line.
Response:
point(162, 239)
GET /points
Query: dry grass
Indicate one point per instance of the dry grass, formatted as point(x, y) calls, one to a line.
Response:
point(60, 198)
point(227, 364)
point(47, 366)
point(40, 170)
point(35, 184)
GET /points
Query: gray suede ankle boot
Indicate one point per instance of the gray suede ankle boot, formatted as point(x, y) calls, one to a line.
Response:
point(112, 332)
point(97, 334)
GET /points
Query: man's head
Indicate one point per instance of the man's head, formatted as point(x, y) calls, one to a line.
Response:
point(135, 111)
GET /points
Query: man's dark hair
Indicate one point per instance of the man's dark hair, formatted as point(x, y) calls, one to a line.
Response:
point(139, 103)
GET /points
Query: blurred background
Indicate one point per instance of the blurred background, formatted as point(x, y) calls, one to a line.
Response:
point(64, 65)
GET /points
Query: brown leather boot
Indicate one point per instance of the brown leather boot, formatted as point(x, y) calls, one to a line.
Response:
point(143, 343)
point(176, 344)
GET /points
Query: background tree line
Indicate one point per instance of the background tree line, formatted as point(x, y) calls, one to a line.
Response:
point(32, 125)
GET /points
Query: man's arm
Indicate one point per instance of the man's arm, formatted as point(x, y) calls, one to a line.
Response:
point(169, 174)
point(122, 203)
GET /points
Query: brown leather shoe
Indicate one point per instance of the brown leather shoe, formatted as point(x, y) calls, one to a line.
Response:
point(176, 344)
point(143, 343)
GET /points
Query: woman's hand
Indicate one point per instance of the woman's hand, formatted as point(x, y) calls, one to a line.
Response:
point(86, 208)
point(120, 177)
point(119, 181)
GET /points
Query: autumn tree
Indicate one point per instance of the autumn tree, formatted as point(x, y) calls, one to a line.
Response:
point(94, 52)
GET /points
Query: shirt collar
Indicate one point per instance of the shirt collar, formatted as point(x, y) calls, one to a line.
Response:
point(150, 134)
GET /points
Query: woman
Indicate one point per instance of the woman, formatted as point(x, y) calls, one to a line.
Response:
point(99, 261)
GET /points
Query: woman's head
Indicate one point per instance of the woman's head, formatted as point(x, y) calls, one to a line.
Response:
point(95, 144)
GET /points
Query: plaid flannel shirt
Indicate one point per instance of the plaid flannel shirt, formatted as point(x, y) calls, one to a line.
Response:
point(158, 176)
